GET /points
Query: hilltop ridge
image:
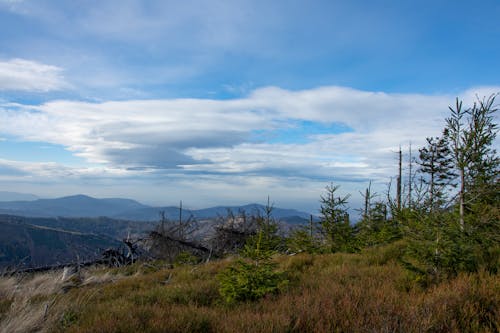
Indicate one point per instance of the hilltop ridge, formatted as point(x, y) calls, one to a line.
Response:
point(80, 205)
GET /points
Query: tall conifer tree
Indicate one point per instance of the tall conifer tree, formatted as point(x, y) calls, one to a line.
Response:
point(436, 163)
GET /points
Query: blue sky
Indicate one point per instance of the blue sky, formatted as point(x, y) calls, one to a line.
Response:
point(226, 102)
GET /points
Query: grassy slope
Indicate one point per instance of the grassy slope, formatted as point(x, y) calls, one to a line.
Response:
point(346, 293)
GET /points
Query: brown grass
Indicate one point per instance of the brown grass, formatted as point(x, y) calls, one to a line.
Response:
point(327, 293)
point(27, 301)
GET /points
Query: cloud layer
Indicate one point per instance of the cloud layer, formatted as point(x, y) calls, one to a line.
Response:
point(32, 76)
point(206, 136)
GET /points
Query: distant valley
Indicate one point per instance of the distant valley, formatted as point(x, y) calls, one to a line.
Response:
point(24, 245)
point(42, 232)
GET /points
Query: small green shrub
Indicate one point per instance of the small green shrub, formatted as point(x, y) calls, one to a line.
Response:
point(301, 240)
point(186, 258)
point(68, 318)
point(247, 281)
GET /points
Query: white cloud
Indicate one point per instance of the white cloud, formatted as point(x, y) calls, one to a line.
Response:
point(26, 75)
point(191, 139)
point(51, 171)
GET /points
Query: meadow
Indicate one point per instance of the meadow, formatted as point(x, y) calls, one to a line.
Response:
point(361, 292)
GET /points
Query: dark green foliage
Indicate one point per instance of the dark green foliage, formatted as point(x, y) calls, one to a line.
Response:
point(383, 254)
point(302, 240)
point(471, 133)
point(481, 131)
point(249, 281)
point(466, 237)
point(305, 238)
point(186, 258)
point(334, 224)
point(256, 275)
point(258, 247)
point(376, 228)
point(483, 226)
point(69, 318)
point(437, 248)
point(266, 241)
point(436, 165)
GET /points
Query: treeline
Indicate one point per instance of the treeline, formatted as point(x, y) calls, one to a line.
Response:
point(446, 209)
point(444, 214)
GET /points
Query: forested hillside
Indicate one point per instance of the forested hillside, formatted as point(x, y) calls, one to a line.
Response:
point(25, 245)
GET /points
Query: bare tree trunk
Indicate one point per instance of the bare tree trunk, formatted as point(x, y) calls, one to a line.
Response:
point(367, 202)
point(462, 200)
point(269, 211)
point(437, 253)
point(399, 182)
point(367, 214)
point(431, 198)
point(181, 233)
point(311, 226)
point(410, 178)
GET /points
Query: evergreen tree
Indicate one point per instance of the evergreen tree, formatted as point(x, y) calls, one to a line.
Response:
point(377, 228)
point(440, 247)
point(335, 226)
point(436, 163)
point(483, 167)
point(304, 238)
point(255, 275)
point(458, 139)
point(471, 133)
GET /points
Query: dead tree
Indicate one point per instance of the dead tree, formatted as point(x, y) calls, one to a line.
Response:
point(171, 238)
point(232, 232)
point(399, 182)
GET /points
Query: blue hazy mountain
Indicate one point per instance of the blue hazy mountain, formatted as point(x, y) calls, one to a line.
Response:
point(172, 213)
point(127, 209)
point(153, 214)
point(71, 206)
point(251, 209)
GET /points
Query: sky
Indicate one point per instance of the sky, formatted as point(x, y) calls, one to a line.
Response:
point(228, 102)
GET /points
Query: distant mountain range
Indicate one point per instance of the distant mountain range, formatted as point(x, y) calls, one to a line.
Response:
point(127, 209)
point(40, 232)
point(72, 206)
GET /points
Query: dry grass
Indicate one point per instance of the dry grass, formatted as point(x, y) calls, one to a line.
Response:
point(26, 301)
point(327, 293)
point(29, 300)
